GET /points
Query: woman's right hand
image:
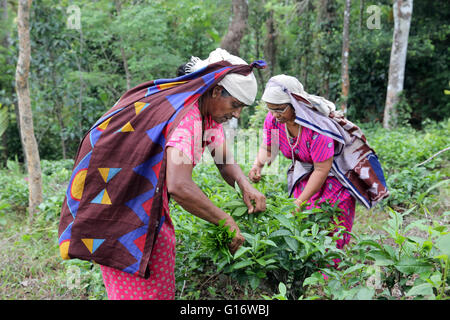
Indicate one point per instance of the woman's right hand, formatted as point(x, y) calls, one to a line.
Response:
point(255, 174)
point(238, 239)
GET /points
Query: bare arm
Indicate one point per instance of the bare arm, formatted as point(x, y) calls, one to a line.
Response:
point(232, 173)
point(264, 156)
point(316, 180)
point(190, 197)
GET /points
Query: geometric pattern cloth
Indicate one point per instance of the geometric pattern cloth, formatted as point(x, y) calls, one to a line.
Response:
point(112, 210)
point(161, 283)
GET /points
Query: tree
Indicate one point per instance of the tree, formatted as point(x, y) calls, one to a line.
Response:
point(345, 49)
point(232, 40)
point(304, 10)
point(26, 117)
point(402, 10)
point(325, 52)
point(122, 51)
point(270, 49)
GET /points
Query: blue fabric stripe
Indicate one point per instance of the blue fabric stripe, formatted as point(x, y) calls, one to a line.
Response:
point(352, 188)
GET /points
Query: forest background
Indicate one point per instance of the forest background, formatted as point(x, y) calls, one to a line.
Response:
point(79, 68)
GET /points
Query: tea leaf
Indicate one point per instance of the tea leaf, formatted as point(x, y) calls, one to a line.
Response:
point(241, 251)
point(410, 265)
point(254, 282)
point(269, 242)
point(281, 232)
point(443, 244)
point(239, 211)
point(365, 293)
point(282, 288)
point(370, 243)
point(242, 264)
point(424, 289)
point(292, 243)
point(285, 222)
point(354, 268)
point(380, 258)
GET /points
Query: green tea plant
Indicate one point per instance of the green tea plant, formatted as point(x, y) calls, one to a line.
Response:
point(279, 246)
point(216, 239)
point(404, 266)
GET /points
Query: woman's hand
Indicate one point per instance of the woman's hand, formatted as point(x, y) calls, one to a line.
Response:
point(255, 174)
point(264, 157)
point(238, 239)
point(250, 195)
point(301, 205)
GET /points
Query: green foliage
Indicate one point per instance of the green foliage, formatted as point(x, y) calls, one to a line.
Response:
point(283, 256)
point(396, 265)
point(401, 151)
point(77, 75)
point(216, 240)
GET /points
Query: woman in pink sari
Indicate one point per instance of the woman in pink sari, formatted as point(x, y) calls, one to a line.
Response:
point(321, 143)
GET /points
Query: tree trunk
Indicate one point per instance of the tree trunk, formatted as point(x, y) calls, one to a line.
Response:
point(361, 14)
point(256, 21)
point(232, 40)
point(402, 21)
point(304, 9)
point(345, 50)
point(5, 44)
point(26, 117)
point(122, 51)
point(271, 47)
point(326, 19)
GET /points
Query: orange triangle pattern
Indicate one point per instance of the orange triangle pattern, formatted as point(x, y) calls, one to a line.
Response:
point(106, 199)
point(104, 124)
point(104, 172)
point(127, 128)
point(138, 106)
point(170, 85)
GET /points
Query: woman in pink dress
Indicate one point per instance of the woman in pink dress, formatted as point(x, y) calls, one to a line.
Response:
point(321, 143)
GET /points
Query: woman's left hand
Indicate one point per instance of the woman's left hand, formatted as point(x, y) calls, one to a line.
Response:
point(250, 196)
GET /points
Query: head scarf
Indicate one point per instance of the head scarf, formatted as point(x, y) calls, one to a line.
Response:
point(278, 89)
point(242, 87)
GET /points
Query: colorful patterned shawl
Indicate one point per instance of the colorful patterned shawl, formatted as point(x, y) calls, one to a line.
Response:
point(112, 211)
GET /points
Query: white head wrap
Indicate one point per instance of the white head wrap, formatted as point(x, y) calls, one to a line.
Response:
point(279, 88)
point(243, 88)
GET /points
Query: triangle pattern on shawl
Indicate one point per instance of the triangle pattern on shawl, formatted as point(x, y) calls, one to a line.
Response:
point(102, 198)
point(92, 244)
point(108, 173)
point(126, 128)
point(156, 135)
point(177, 100)
point(139, 106)
point(129, 242)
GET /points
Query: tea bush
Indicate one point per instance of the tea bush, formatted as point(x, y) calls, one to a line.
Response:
point(284, 256)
